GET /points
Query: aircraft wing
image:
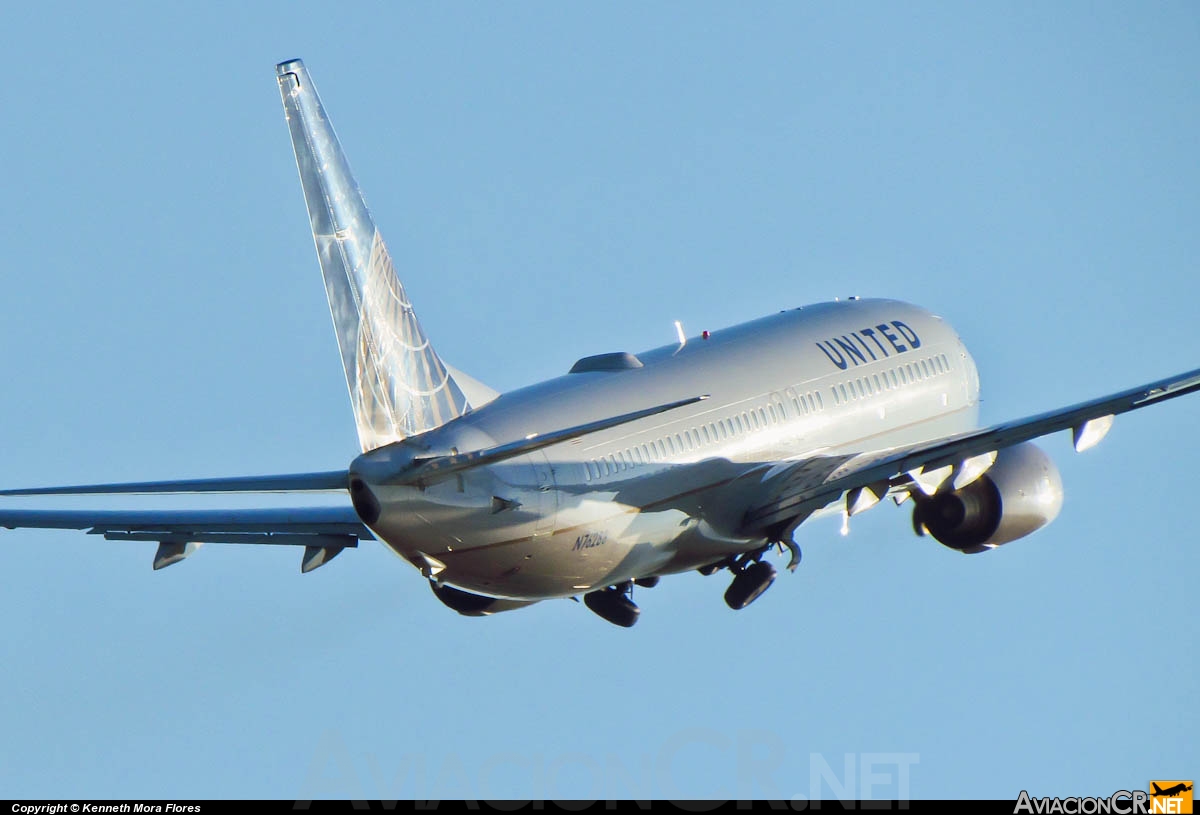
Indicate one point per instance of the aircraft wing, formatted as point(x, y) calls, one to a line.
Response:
point(330, 481)
point(323, 531)
point(790, 492)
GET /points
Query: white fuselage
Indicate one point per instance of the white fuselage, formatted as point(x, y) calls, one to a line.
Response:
point(846, 377)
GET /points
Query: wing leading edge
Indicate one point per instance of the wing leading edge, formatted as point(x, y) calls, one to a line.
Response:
point(792, 492)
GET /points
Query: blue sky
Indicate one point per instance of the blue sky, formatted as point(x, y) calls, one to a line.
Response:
point(557, 181)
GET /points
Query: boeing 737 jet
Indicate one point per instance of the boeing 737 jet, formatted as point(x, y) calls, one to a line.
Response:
point(1170, 791)
point(704, 454)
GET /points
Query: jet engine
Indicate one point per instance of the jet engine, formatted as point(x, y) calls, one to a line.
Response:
point(1019, 494)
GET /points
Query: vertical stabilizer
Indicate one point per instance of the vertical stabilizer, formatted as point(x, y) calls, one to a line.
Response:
point(398, 385)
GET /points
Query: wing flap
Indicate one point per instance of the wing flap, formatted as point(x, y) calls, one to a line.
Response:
point(296, 526)
point(324, 532)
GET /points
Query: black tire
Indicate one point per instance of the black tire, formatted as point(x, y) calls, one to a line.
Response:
point(613, 606)
point(749, 585)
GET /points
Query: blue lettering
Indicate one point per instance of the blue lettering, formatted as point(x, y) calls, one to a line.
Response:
point(892, 338)
point(864, 345)
point(851, 350)
point(840, 361)
point(908, 333)
point(870, 332)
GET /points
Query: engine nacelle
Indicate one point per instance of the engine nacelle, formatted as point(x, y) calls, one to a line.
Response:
point(1019, 494)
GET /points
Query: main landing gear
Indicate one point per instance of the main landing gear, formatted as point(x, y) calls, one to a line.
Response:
point(614, 605)
point(749, 583)
point(751, 575)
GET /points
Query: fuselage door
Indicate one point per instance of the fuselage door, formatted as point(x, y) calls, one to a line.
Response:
point(547, 493)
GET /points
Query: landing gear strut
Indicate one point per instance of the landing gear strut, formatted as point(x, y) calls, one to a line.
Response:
point(614, 605)
point(793, 550)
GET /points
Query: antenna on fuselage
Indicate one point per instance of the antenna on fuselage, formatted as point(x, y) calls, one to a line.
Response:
point(679, 333)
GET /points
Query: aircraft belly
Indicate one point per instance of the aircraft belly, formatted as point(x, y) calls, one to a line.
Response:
point(574, 560)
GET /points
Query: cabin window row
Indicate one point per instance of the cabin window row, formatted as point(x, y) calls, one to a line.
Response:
point(805, 403)
point(891, 379)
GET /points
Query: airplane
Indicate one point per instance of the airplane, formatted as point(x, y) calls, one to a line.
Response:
point(1170, 791)
point(704, 454)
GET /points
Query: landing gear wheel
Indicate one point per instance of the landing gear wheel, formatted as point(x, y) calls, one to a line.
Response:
point(614, 606)
point(749, 585)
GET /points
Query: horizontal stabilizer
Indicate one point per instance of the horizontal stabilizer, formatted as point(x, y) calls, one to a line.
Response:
point(294, 482)
point(427, 469)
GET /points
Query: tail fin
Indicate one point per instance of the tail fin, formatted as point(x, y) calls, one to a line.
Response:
point(398, 385)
